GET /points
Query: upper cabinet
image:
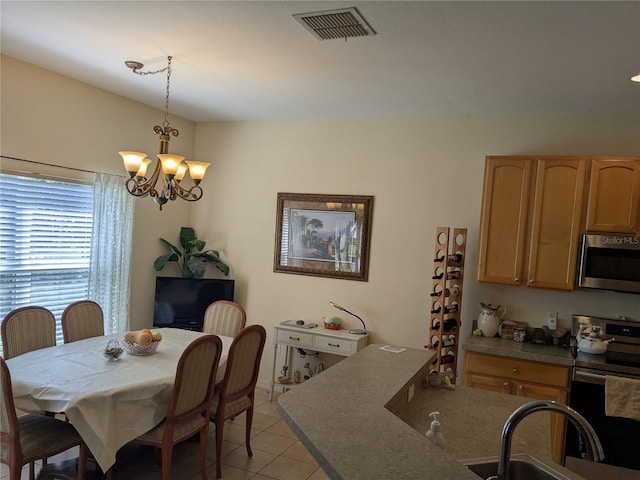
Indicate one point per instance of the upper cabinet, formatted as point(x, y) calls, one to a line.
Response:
point(531, 221)
point(503, 221)
point(614, 195)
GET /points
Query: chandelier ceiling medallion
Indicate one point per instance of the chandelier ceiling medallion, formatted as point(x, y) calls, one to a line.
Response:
point(173, 167)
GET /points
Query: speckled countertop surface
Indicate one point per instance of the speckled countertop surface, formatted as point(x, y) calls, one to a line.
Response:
point(472, 420)
point(356, 420)
point(526, 351)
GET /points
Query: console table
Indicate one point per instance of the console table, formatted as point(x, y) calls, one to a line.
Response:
point(319, 339)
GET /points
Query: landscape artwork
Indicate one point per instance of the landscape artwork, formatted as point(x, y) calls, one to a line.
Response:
point(323, 235)
point(326, 236)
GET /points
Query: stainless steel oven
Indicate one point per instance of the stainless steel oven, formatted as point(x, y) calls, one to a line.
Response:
point(619, 436)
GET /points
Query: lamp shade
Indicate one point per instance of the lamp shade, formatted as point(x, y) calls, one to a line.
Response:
point(132, 160)
point(197, 169)
point(170, 163)
point(182, 170)
point(142, 171)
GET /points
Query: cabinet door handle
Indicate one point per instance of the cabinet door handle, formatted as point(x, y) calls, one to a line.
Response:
point(505, 384)
point(531, 280)
point(516, 280)
point(294, 338)
point(333, 344)
point(515, 370)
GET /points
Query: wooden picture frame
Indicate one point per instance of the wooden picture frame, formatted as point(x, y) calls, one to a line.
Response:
point(323, 235)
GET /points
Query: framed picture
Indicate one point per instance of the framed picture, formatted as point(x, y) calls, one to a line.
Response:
point(323, 235)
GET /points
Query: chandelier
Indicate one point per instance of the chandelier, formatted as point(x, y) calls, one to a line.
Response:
point(172, 167)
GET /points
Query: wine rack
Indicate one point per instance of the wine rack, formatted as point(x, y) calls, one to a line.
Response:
point(446, 299)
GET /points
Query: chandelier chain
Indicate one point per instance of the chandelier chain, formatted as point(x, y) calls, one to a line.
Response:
point(170, 173)
point(166, 101)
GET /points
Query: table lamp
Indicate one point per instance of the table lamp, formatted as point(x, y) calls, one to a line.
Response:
point(357, 331)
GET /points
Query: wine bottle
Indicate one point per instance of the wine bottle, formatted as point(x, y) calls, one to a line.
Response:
point(454, 275)
point(436, 310)
point(450, 323)
point(438, 276)
point(435, 325)
point(455, 258)
point(439, 259)
point(448, 358)
point(447, 293)
point(451, 309)
point(449, 341)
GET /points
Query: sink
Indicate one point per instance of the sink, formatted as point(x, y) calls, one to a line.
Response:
point(521, 467)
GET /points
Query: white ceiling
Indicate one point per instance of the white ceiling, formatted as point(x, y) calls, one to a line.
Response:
point(244, 60)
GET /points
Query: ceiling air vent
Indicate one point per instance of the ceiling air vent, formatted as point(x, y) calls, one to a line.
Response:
point(342, 23)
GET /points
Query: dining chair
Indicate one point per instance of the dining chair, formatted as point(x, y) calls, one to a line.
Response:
point(189, 403)
point(82, 319)
point(224, 318)
point(34, 436)
point(236, 393)
point(25, 329)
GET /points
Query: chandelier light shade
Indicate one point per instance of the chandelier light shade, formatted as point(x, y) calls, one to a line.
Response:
point(169, 169)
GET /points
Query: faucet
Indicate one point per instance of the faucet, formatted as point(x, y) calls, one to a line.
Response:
point(594, 447)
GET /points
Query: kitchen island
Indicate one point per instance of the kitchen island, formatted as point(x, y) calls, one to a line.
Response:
point(366, 416)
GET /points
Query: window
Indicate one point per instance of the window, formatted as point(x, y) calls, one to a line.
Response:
point(63, 240)
point(45, 243)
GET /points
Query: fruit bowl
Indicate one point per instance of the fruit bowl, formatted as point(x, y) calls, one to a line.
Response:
point(136, 349)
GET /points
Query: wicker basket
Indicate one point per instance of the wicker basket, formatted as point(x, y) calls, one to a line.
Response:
point(142, 350)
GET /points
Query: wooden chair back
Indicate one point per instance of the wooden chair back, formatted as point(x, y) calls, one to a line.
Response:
point(243, 364)
point(26, 329)
point(82, 319)
point(224, 318)
point(195, 376)
point(9, 430)
point(33, 436)
point(236, 393)
point(189, 404)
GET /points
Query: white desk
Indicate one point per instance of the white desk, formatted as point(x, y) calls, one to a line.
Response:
point(109, 403)
point(320, 339)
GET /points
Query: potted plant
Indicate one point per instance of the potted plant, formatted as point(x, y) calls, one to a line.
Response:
point(191, 260)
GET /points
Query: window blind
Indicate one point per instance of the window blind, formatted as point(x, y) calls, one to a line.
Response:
point(45, 243)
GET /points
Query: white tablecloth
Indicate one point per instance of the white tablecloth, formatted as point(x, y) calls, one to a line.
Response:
point(109, 403)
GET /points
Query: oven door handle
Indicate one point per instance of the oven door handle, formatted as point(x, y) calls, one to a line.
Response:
point(582, 376)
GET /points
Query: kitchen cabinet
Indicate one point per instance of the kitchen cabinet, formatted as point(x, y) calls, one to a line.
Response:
point(525, 378)
point(614, 195)
point(531, 221)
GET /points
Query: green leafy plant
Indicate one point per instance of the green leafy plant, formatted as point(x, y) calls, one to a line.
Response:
point(192, 261)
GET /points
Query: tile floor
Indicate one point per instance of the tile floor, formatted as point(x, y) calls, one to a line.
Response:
point(277, 454)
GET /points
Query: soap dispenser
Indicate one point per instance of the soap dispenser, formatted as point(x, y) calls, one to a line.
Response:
point(434, 433)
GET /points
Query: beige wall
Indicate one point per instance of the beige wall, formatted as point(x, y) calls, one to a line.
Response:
point(423, 173)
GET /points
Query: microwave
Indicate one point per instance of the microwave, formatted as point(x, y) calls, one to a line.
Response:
point(610, 262)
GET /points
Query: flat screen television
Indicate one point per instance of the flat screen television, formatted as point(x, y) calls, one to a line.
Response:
point(181, 302)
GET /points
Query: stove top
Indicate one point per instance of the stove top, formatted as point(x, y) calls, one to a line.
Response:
point(622, 354)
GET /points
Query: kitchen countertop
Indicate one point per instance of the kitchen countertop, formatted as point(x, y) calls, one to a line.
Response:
point(357, 421)
point(526, 351)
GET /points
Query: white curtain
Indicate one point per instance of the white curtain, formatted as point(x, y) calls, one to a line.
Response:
point(109, 271)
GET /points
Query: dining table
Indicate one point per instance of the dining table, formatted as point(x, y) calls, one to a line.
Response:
point(109, 403)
